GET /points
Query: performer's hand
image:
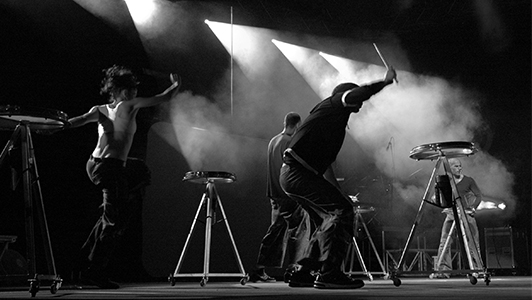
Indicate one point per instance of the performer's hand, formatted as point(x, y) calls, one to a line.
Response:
point(175, 79)
point(470, 212)
point(391, 75)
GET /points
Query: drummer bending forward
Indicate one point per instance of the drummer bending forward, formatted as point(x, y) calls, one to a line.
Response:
point(106, 165)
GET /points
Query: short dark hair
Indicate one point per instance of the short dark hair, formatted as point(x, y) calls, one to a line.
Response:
point(344, 87)
point(291, 119)
point(118, 78)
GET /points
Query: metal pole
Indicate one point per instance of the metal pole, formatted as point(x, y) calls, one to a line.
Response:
point(232, 61)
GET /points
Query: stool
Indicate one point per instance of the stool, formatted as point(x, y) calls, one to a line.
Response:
point(210, 198)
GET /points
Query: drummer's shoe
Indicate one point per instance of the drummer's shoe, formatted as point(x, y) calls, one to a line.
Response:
point(337, 280)
point(261, 276)
point(290, 270)
point(301, 279)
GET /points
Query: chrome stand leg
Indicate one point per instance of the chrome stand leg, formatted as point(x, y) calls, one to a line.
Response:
point(210, 199)
point(33, 196)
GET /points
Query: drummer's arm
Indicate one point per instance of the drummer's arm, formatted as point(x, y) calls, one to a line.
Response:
point(362, 93)
point(166, 95)
point(90, 116)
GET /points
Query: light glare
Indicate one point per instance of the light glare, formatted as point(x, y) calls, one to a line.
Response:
point(141, 10)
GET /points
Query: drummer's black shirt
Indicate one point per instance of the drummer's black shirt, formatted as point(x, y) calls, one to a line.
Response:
point(319, 139)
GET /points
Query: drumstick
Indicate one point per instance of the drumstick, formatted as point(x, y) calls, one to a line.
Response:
point(383, 60)
point(380, 55)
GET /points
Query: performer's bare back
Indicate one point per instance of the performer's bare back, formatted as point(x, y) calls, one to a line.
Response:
point(116, 128)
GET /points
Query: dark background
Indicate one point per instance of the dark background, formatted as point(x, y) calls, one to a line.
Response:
point(52, 53)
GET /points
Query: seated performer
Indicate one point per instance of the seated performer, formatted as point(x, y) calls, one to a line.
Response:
point(470, 193)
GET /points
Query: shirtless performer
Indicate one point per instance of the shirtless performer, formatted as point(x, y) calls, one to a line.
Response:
point(106, 166)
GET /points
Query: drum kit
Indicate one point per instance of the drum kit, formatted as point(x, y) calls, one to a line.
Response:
point(24, 120)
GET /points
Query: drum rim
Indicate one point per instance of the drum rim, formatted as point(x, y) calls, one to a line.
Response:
point(421, 152)
point(9, 112)
point(207, 176)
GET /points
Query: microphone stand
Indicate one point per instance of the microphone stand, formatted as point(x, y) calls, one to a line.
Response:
point(390, 147)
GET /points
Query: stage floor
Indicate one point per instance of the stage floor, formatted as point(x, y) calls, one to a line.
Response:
point(507, 287)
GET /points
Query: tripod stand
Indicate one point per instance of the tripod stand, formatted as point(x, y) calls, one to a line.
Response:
point(355, 249)
point(441, 152)
point(210, 200)
point(32, 197)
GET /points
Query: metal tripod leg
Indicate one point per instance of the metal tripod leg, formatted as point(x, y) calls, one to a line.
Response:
point(210, 199)
point(40, 206)
point(190, 233)
point(446, 245)
point(426, 196)
point(472, 256)
point(464, 231)
point(459, 214)
point(358, 216)
point(9, 146)
point(360, 260)
point(33, 195)
point(235, 250)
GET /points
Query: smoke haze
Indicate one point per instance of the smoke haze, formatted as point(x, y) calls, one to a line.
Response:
point(419, 109)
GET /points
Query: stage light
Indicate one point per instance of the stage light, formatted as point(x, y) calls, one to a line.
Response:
point(250, 47)
point(343, 65)
point(222, 32)
point(141, 11)
point(316, 71)
point(293, 53)
point(489, 205)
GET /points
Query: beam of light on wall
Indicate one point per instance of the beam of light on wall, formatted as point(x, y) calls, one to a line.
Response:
point(249, 46)
point(165, 29)
point(352, 70)
point(113, 13)
point(319, 74)
point(378, 123)
point(417, 110)
point(142, 11)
